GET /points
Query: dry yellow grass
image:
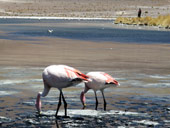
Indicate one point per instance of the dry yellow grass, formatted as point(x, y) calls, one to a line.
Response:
point(160, 21)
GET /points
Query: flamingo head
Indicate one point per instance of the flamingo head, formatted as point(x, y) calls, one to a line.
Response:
point(83, 99)
point(38, 103)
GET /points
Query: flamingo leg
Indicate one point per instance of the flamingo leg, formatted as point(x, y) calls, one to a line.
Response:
point(104, 101)
point(96, 100)
point(59, 103)
point(65, 103)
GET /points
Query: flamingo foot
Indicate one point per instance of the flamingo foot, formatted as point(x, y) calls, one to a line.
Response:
point(38, 114)
point(84, 106)
point(58, 117)
point(66, 116)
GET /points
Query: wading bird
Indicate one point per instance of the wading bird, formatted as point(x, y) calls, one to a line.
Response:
point(97, 81)
point(50, 30)
point(59, 76)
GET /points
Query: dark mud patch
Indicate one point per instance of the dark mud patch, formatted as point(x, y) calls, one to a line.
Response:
point(126, 114)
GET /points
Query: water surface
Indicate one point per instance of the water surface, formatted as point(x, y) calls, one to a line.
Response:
point(89, 30)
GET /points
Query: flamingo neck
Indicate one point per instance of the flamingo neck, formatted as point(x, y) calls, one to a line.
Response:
point(38, 102)
point(83, 99)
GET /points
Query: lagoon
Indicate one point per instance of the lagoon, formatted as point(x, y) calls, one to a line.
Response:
point(88, 30)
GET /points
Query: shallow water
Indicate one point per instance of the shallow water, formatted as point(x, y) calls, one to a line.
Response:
point(26, 77)
point(89, 30)
point(139, 92)
point(136, 103)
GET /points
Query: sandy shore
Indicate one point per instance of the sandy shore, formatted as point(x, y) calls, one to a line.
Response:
point(95, 56)
point(81, 8)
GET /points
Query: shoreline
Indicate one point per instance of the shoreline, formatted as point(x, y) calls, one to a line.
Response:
point(48, 17)
point(124, 26)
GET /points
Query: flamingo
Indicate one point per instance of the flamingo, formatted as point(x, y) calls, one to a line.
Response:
point(97, 81)
point(59, 76)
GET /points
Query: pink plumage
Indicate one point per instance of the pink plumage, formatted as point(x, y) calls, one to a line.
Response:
point(98, 81)
point(59, 76)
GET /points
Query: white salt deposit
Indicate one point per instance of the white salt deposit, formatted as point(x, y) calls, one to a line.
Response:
point(64, 18)
point(118, 112)
point(157, 76)
point(5, 119)
point(146, 122)
point(88, 112)
point(6, 82)
point(72, 112)
point(167, 121)
point(158, 85)
point(4, 93)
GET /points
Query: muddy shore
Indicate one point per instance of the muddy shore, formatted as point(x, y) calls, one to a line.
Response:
point(144, 57)
point(25, 60)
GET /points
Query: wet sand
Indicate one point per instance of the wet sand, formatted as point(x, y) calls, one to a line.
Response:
point(151, 58)
point(25, 60)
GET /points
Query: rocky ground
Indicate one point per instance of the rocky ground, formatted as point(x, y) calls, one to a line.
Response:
point(127, 114)
point(83, 8)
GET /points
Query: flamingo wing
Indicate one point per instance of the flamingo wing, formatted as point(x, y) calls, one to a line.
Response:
point(76, 74)
point(110, 79)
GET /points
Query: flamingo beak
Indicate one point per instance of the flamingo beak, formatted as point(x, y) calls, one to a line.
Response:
point(39, 112)
point(38, 103)
point(83, 99)
point(38, 109)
